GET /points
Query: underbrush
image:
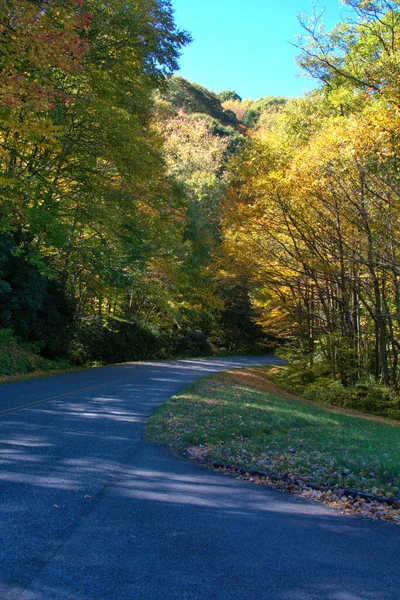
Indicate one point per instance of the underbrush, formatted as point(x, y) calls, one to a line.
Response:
point(101, 342)
point(314, 383)
point(17, 358)
point(116, 340)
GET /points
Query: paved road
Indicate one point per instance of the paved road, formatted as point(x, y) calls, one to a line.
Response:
point(91, 512)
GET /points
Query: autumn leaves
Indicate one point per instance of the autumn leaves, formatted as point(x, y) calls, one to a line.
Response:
point(315, 211)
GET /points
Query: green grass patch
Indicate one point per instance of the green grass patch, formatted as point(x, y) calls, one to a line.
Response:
point(241, 418)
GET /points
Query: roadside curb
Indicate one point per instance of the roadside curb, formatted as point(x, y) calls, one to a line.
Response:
point(321, 488)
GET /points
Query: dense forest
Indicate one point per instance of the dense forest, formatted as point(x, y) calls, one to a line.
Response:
point(113, 175)
point(314, 201)
point(143, 215)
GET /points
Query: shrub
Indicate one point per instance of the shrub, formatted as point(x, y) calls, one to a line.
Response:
point(114, 340)
point(314, 384)
point(192, 344)
point(328, 391)
point(373, 397)
point(16, 357)
point(34, 306)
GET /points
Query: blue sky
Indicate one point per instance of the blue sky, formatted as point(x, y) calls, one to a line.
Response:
point(243, 45)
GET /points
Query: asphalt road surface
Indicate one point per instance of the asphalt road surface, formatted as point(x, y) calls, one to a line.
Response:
point(89, 511)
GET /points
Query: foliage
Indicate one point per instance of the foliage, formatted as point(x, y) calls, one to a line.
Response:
point(228, 95)
point(269, 105)
point(359, 54)
point(194, 98)
point(196, 148)
point(75, 168)
point(115, 340)
point(82, 175)
point(34, 306)
point(313, 208)
point(192, 344)
point(315, 383)
point(239, 331)
point(250, 112)
point(16, 357)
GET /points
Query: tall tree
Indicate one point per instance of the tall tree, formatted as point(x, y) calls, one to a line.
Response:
point(82, 168)
point(313, 211)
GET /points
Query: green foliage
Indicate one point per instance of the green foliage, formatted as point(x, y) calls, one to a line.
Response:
point(20, 358)
point(114, 340)
point(267, 105)
point(72, 169)
point(367, 397)
point(34, 306)
point(192, 344)
point(315, 383)
point(81, 166)
point(194, 98)
point(327, 391)
point(110, 198)
point(359, 54)
point(235, 138)
point(16, 357)
point(228, 95)
point(314, 209)
point(240, 334)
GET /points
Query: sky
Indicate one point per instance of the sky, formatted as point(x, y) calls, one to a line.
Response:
point(244, 45)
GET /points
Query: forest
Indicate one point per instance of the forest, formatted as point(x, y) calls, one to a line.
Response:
point(144, 216)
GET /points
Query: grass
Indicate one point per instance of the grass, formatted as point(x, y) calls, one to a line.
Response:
point(240, 418)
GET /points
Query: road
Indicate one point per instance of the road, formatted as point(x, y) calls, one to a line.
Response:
point(89, 511)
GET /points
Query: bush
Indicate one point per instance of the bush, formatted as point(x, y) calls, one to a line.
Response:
point(34, 306)
point(314, 384)
point(192, 344)
point(328, 391)
point(373, 397)
point(295, 377)
point(114, 340)
point(16, 357)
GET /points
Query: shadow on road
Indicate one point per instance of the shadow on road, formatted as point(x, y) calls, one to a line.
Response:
point(90, 512)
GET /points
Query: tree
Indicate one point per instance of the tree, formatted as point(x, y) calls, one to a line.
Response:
point(194, 98)
point(316, 226)
point(229, 95)
point(359, 54)
point(82, 172)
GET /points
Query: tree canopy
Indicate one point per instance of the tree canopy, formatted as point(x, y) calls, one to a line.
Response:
point(136, 205)
point(313, 211)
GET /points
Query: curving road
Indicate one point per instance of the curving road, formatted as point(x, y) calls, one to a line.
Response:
point(89, 511)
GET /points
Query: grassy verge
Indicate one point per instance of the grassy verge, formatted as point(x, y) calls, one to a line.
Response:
point(240, 418)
